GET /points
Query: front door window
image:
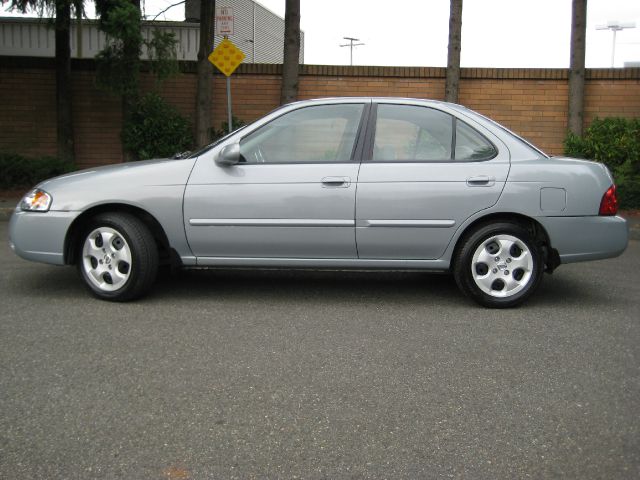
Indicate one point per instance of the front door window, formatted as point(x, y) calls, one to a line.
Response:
point(321, 134)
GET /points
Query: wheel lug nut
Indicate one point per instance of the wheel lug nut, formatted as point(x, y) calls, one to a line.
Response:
point(109, 267)
point(497, 259)
point(495, 270)
point(506, 272)
point(508, 260)
point(100, 262)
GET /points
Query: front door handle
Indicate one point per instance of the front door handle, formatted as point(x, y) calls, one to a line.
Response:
point(481, 181)
point(336, 182)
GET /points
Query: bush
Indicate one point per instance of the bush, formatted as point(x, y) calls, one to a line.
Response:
point(236, 123)
point(156, 129)
point(616, 143)
point(17, 171)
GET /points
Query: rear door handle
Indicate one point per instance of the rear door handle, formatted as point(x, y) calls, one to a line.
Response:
point(481, 181)
point(336, 182)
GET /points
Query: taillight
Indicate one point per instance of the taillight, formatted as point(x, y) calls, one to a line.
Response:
point(609, 202)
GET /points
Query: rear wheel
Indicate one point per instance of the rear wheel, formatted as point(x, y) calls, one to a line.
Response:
point(499, 265)
point(118, 258)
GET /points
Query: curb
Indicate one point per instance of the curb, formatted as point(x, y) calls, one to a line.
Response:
point(6, 209)
point(634, 222)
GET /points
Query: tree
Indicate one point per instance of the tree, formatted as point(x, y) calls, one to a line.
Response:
point(453, 57)
point(205, 73)
point(64, 118)
point(576, 67)
point(291, 61)
point(118, 64)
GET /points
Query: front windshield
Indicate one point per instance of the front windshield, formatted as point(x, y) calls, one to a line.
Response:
point(216, 142)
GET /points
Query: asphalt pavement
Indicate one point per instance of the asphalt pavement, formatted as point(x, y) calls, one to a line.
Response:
point(239, 374)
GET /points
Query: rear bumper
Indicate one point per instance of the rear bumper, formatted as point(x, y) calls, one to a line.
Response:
point(39, 236)
point(578, 239)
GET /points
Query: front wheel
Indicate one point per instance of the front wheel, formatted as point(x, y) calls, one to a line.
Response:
point(118, 258)
point(499, 265)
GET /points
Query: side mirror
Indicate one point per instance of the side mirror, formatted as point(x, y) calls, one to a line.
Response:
point(229, 155)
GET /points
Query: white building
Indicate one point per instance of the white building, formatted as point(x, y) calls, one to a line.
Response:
point(258, 32)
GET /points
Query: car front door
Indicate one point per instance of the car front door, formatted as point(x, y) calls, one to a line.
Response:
point(291, 196)
point(425, 173)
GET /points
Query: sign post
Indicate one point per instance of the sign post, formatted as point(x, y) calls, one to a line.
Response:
point(226, 57)
point(229, 116)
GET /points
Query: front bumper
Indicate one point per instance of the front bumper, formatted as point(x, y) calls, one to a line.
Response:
point(578, 239)
point(40, 237)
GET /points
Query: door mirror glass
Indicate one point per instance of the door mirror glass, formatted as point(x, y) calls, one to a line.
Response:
point(229, 155)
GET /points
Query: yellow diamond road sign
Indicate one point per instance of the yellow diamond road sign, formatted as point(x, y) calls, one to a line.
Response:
point(226, 57)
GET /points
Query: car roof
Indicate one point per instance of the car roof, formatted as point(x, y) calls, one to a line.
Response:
point(407, 100)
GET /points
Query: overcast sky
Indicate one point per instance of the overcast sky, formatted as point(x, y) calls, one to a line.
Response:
point(495, 33)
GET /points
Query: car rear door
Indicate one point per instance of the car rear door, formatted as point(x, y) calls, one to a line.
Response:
point(292, 195)
point(424, 173)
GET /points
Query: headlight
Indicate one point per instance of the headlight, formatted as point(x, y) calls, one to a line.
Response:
point(36, 201)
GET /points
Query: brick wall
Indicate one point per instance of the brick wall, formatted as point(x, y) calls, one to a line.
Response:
point(531, 102)
point(27, 111)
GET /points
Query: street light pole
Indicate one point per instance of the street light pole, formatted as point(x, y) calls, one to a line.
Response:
point(351, 44)
point(615, 27)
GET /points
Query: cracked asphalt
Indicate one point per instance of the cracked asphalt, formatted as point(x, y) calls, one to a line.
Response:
point(239, 374)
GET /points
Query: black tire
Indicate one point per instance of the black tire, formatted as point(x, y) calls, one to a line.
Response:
point(117, 257)
point(515, 271)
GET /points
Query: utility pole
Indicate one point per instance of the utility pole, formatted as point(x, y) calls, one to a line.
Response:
point(351, 44)
point(615, 27)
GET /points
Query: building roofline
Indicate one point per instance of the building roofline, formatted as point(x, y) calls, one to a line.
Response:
point(95, 21)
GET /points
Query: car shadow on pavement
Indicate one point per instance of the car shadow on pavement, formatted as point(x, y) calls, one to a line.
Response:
point(46, 281)
point(562, 289)
point(276, 286)
point(303, 286)
point(306, 285)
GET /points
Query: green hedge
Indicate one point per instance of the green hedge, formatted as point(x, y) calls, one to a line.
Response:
point(156, 129)
point(17, 171)
point(616, 143)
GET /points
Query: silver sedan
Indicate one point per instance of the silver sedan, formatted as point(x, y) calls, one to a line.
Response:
point(350, 183)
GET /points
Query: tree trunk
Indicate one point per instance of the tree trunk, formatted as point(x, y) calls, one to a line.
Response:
point(576, 68)
point(64, 119)
point(131, 53)
point(291, 61)
point(453, 58)
point(205, 73)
